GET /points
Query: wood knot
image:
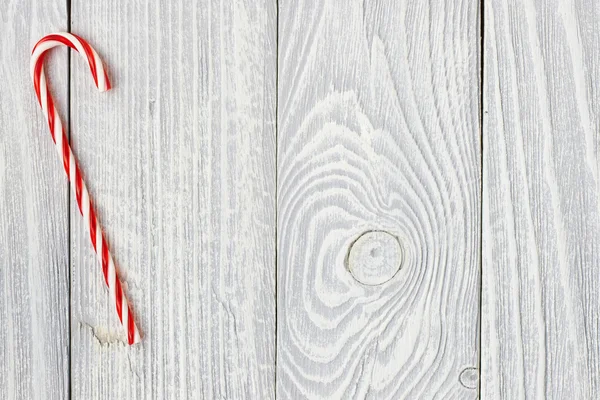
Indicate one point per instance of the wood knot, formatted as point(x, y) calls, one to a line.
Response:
point(375, 257)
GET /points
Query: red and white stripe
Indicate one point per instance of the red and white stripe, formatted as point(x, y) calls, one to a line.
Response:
point(71, 166)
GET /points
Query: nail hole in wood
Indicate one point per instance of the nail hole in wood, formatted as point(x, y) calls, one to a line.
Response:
point(469, 377)
point(374, 258)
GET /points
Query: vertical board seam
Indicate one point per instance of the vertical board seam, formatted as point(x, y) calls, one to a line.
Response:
point(481, 126)
point(276, 188)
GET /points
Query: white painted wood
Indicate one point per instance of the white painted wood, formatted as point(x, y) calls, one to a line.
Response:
point(541, 200)
point(378, 129)
point(34, 294)
point(180, 158)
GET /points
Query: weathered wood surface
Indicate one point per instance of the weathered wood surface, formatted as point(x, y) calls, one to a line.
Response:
point(180, 158)
point(34, 293)
point(378, 130)
point(378, 151)
point(541, 200)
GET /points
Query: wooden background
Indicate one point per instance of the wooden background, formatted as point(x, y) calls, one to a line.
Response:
point(263, 169)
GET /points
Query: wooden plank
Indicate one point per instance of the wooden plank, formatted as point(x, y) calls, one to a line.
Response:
point(34, 293)
point(378, 130)
point(541, 201)
point(180, 158)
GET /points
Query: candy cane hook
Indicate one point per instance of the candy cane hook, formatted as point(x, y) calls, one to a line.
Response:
point(71, 166)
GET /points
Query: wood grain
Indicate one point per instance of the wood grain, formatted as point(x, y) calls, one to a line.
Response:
point(180, 158)
point(34, 293)
point(541, 203)
point(378, 130)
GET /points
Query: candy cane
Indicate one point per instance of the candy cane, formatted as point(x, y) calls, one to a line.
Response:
point(71, 166)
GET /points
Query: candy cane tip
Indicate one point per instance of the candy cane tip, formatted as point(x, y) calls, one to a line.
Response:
point(104, 85)
point(136, 338)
